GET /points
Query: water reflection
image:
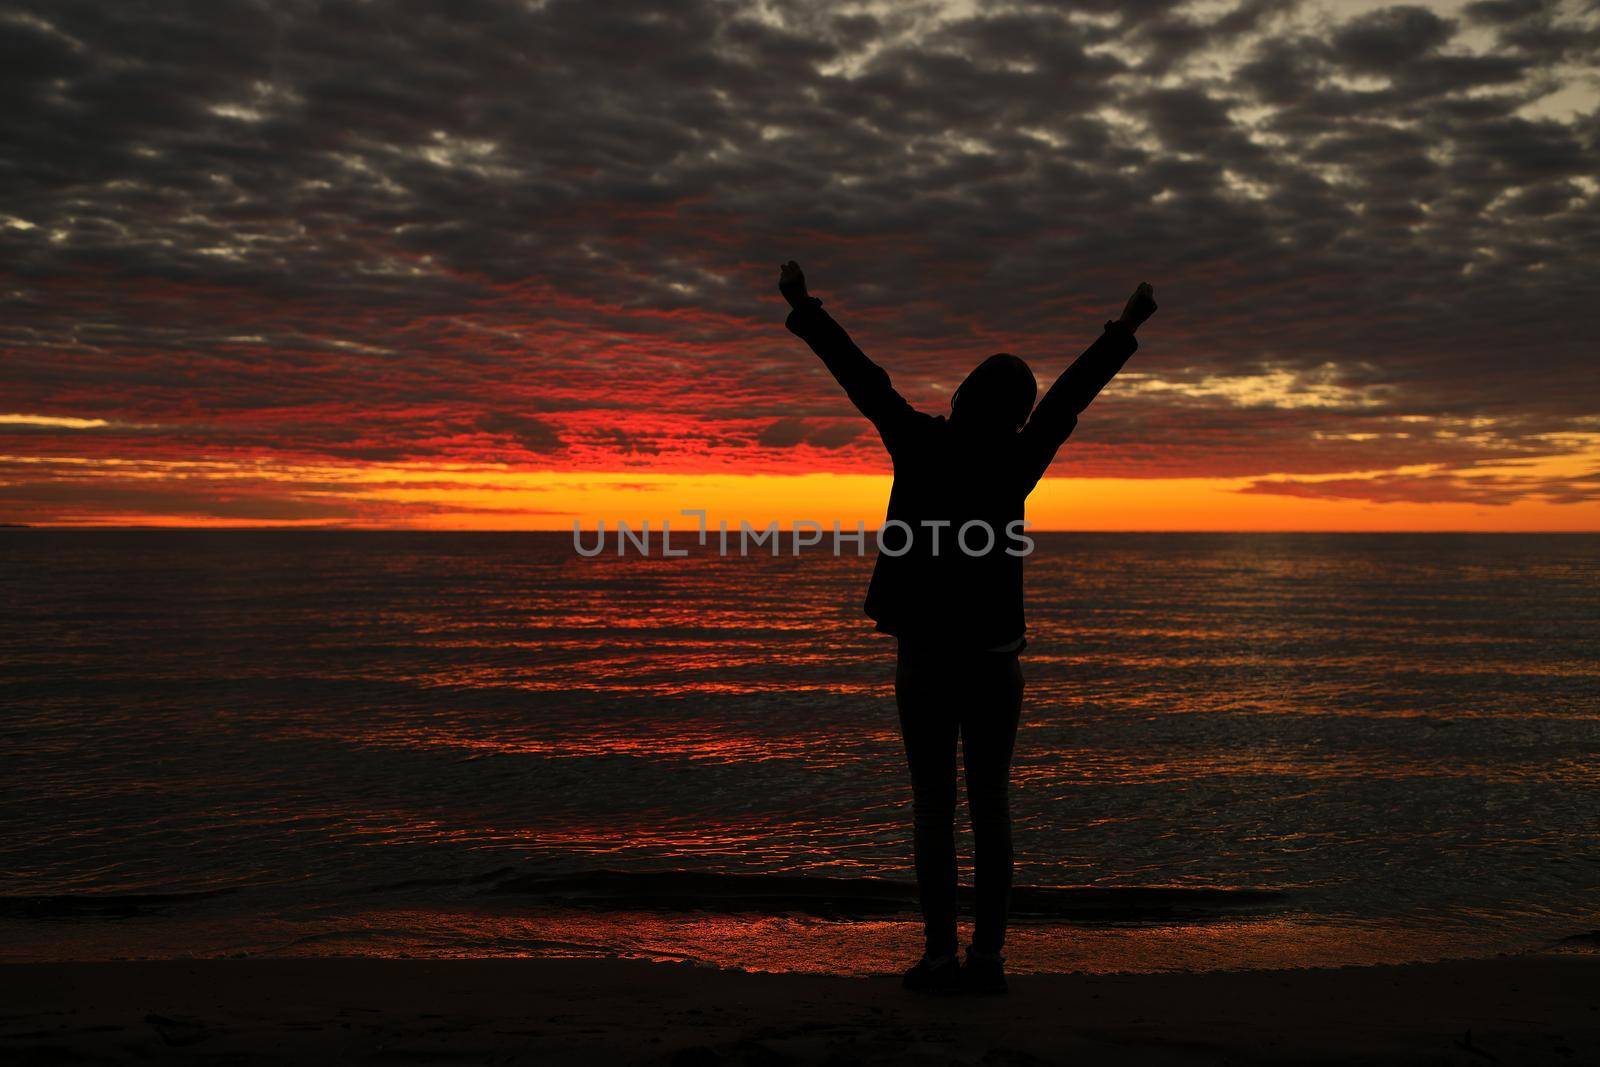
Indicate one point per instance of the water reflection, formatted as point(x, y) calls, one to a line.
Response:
point(1401, 730)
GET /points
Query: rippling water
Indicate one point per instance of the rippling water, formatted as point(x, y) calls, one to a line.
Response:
point(1249, 750)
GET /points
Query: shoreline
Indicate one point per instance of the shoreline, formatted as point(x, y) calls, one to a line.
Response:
point(1515, 1009)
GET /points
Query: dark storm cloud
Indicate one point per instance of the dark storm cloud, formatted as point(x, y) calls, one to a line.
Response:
point(1391, 37)
point(787, 433)
point(531, 433)
point(67, 501)
point(547, 233)
point(108, 499)
point(1503, 12)
point(1493, 490)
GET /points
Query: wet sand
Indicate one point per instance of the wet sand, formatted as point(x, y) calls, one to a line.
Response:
point(1536, 1009)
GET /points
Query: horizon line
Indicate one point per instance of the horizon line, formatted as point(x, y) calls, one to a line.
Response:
point(325, 528)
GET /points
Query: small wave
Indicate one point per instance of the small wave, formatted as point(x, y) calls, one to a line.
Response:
point(1589, 939)
point(444, 883)
point(849, 897)
point(100, 906)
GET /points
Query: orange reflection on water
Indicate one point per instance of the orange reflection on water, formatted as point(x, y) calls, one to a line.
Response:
point(660, 668)
point(643, 738)
point(1081, 766)
point(781, 943)
point(659, 833)
point(762, 943)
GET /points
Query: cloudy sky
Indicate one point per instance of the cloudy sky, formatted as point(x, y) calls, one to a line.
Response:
point(495, 263)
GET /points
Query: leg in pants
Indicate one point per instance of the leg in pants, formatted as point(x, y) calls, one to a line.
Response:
point(975, 697)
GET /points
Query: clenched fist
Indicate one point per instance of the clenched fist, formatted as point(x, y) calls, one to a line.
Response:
point(1141, 305)
point(792, 283)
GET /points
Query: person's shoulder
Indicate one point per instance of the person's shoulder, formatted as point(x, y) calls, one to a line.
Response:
point(916, 435)
point(930, 427)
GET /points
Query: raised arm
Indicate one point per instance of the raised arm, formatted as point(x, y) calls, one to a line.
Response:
point(865, 383)
point(1057, 414)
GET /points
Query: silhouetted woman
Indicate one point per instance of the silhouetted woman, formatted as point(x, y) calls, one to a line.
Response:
point(953, 598)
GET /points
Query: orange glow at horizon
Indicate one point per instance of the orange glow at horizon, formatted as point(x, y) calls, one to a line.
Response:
point(460, 497)
point(1058, 504)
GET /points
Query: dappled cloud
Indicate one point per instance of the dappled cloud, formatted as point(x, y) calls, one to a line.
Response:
point(539, 239)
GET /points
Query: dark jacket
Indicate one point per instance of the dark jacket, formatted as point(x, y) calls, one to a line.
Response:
point(946, 474)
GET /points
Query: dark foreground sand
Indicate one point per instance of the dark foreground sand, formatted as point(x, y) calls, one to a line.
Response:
point(1521, 1010)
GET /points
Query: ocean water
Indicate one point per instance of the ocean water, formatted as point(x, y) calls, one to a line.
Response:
point(1236, 750)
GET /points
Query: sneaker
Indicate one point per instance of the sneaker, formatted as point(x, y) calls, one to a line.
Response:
point(934, 974)
point(985, 972)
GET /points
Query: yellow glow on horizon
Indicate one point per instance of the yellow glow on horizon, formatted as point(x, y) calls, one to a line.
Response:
point(1200, 504)
point(489, 497)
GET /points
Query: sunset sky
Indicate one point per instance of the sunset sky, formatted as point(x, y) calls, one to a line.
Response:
point(506, 265)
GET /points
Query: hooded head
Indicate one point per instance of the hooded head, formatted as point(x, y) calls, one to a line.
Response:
point(997, 396)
